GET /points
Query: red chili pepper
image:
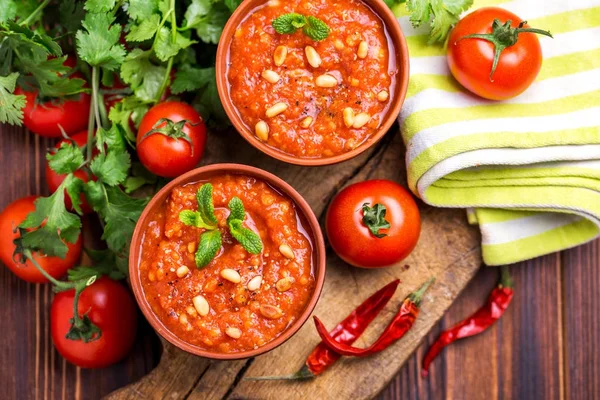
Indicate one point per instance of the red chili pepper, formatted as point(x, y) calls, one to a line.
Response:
point(402, 322)
point(347, 331)
point(483, 318)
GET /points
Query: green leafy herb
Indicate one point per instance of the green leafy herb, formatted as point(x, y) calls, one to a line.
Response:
point(313, 27)
point(209, 246)
point(98, 44)
point(374, 219)
point(11, 105)
point(246, 237)
point(106, 263)
point(441, 14)
point(67, 159)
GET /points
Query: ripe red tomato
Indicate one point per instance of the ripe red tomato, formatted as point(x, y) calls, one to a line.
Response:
point(54, 180)
point(169, 154)
point(388, 209)
point(12, 216)
point(110, 307)
point(471, 59)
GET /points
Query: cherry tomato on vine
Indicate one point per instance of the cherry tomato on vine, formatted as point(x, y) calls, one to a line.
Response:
point(53, 180)
point(489, 35)
point(373, 224)
point(109, 306)
point(10, 218)
point(44, 117)
point(171, 139)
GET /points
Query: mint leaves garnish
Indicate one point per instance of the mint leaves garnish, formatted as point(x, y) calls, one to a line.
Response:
point(210, 240)
point(313, 27)
point(374, 219)
point(247, 238)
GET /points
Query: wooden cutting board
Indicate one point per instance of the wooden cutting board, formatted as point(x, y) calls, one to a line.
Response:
point(448, 250)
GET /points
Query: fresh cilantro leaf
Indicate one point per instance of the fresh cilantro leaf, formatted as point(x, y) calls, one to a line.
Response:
point(142, 9)
point(8, 10)
point(374, 219)
point(288, 24)
point(166, 48)
point(139, 177)
point(206, 208)
point(67, 159)
point(190, 79)
point(98, 44)
point(443, 14)
point(26, 7)
point(30, 44)
point(142, 75)
point(99, 6)
point(316, 29)
point(236, 208)
point(112, 167)
point(209, 104)
point(127, 110)
point(58, 224)
point(70, 14)
point(209, 23)
point(74, 191)
point(232, 4)
point(209, 246)
point(247, 238)
point(110, 139)
point(11, 105)
point(119, 211)
point(393, 3)
point(145, 30)
point(49, 77)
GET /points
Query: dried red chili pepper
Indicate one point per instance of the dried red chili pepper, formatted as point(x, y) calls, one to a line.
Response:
point(402, 322)
point(482, 319)
point(347, 331)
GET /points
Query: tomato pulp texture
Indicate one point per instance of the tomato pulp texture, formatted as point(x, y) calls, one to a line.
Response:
point(10, 218)
point(352, 240)
point(111, 308)
point(54, 180)
point(471, 59)
point(313, 123)
point(261, 314)
point(171, 156)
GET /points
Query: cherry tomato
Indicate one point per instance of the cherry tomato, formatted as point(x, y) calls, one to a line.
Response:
point(54, 180)
point(362, 212)
point(169, 154)
point(110, 307)
point(10, 218)
point(471, 59)
point(44, 118)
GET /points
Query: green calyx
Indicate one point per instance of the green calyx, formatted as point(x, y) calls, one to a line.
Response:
point(173, 130)
point(503, 36)
point(374, 219)
point(417, 296)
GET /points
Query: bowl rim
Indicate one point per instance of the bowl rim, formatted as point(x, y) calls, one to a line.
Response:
point(203, 172)
point(394, 30)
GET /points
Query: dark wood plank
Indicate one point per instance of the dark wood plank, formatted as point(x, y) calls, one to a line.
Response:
point(582, 321)
point(520, 357)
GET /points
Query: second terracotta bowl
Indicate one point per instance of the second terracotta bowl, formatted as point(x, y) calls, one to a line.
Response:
point(394, 33)
point(203, 173)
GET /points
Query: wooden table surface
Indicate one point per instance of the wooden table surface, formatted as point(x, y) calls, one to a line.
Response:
point(547, 346)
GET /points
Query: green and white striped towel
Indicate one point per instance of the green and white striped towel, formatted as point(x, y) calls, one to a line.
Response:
point(527, 169)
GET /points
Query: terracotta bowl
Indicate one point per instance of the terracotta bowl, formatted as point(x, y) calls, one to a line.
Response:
point(399, 42)
point(312, 227)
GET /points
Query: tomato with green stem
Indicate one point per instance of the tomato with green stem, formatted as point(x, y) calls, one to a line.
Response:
point(10, 218)
point(103, 332)
point(495, 54)
point(171, 139)
point(54, 180)
point(373, 224)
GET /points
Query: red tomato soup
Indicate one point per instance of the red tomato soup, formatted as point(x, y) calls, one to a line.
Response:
point(275, 286)
point(313, 99)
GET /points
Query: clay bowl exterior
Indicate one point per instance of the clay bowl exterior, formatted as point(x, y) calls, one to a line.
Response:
point(399, 43)
point(206, 172)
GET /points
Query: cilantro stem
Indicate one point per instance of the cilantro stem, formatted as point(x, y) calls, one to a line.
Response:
point(35, 13)
point(95, 87)
point(167, 77)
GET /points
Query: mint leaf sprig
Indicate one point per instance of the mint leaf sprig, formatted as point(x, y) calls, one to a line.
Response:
point(312, 27)
point(205, 218)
